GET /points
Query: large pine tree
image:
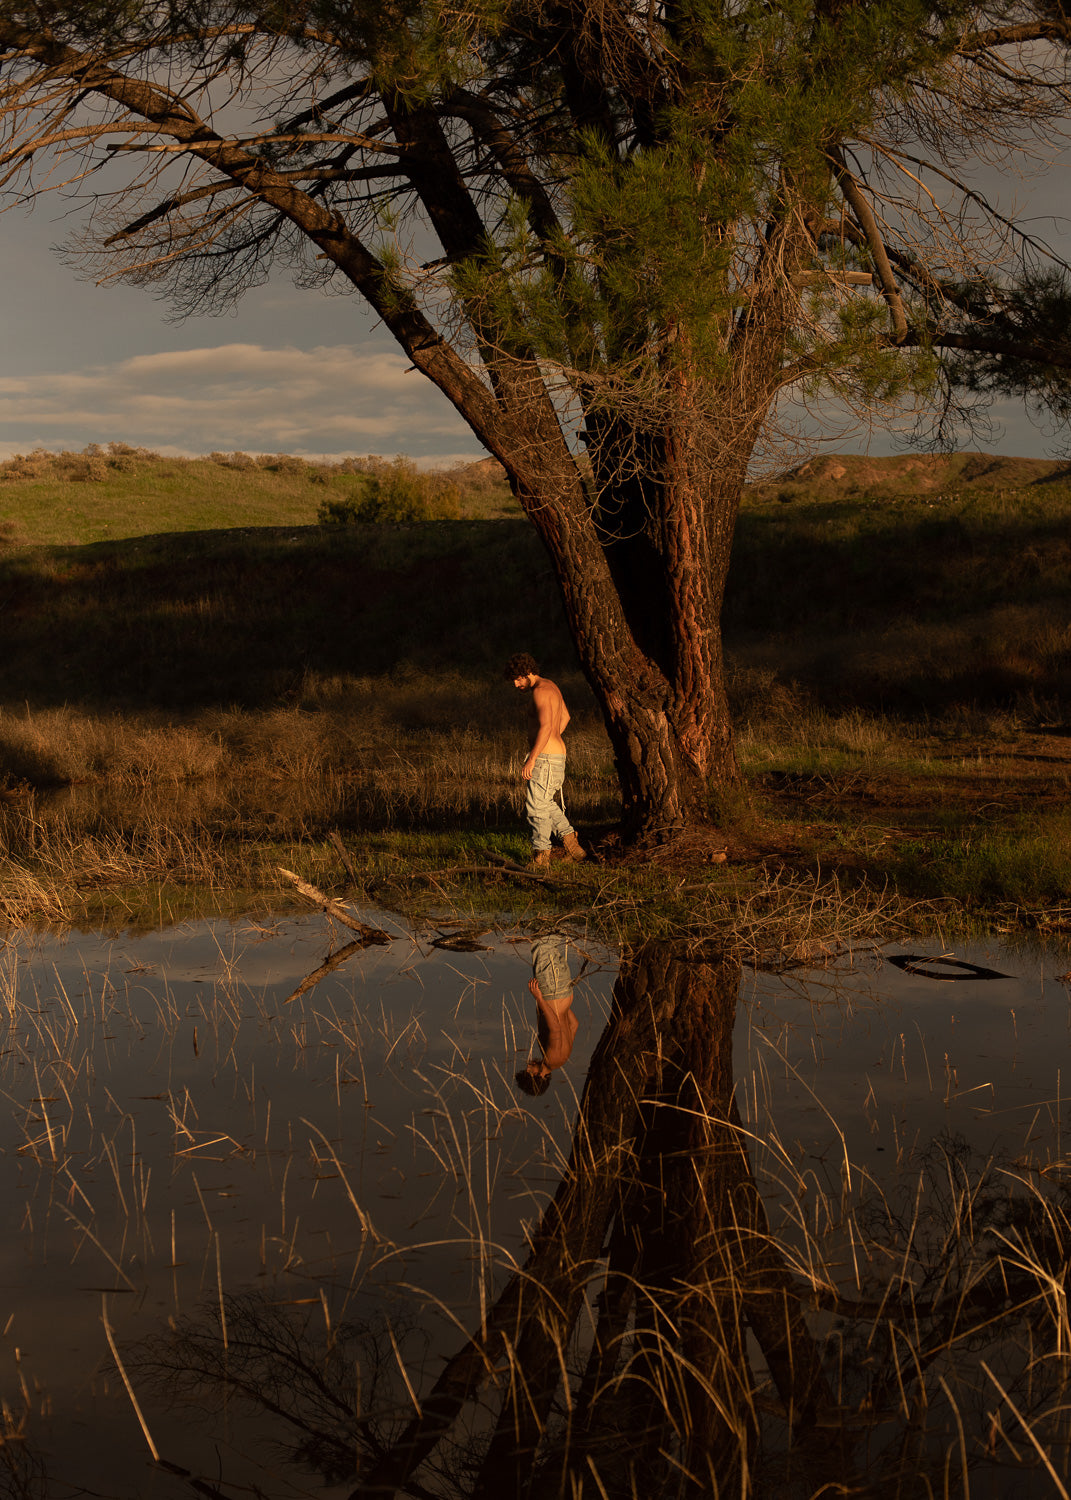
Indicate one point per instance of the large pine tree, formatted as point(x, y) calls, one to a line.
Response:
point(616, 235)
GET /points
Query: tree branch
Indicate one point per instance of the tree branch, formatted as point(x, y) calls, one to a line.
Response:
point(867, 222)
point(424, 345)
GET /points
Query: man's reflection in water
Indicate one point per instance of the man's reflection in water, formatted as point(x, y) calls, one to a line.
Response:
point(552, 986)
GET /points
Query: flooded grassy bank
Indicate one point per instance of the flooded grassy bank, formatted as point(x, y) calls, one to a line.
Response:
point(784, 895)
point(89, 857)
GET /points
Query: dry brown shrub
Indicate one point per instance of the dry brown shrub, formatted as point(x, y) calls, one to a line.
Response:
point(84, 468)
point(36, 465)
point(237, 460)
point(281, 463)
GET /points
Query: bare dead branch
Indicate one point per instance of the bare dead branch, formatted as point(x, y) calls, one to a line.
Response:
point(864, 215)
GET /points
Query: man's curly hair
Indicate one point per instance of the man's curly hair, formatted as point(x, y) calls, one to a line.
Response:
point(519, 665)
point(530, 1083)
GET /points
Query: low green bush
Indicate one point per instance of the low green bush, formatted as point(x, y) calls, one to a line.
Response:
point(397, 492)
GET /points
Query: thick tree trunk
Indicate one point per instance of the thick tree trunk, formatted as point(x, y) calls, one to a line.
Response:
point(641, 550)
point(673, 738)
point(642, 571)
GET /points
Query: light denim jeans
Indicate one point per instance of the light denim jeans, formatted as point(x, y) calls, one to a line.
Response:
point(543, 813)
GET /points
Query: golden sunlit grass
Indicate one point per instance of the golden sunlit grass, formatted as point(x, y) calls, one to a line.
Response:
point(226, 693)
point(845, 826)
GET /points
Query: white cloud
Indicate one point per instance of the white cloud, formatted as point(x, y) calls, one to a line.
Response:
point(329, 401)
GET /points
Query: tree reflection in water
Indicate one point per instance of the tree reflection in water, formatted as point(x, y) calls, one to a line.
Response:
point(660, 1340)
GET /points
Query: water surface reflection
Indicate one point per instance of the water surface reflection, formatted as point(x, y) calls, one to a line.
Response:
point(805, 1233)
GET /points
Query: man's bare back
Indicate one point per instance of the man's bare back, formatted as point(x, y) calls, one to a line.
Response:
point(547, 719)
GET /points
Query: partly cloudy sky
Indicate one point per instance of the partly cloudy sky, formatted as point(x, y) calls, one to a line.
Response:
point(334, 399)
point(288, 371)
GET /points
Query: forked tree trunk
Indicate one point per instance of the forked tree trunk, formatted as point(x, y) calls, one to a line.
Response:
point(674, 740)
point(641, 563)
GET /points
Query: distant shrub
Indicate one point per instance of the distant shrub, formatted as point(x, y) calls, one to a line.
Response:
point(485, 476)
point(281, 463)
point(35, 465)
point(339, 512)
point(94, 463)
point(237, 460)
point(84, 468)
point(122, 459)
point(397, 492)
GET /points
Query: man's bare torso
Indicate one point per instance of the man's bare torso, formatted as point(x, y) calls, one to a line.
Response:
point(546, 709)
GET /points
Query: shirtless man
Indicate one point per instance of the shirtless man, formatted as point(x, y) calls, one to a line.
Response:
point(544, 770)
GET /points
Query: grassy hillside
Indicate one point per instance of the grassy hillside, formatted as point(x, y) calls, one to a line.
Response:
point(925, 604)
point(116, 491)
point(258, 616)
point(920, 604)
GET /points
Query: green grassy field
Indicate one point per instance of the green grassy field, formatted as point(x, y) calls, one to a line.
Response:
point(185, 584)
point(256, 686)
point(117, 492)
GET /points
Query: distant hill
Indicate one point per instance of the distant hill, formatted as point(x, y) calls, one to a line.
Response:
point(850, 473)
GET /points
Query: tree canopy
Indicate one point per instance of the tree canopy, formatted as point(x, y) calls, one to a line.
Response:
point(617, 236)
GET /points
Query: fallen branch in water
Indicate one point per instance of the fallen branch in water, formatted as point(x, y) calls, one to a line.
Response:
point(329, 965)
point(334, 908)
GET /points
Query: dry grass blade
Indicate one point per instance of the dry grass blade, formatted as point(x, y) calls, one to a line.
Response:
point(1030, 1435)
point(126, 1380)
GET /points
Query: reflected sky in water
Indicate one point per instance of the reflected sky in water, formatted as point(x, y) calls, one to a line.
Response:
point(900, 1058)
point(174, 1122)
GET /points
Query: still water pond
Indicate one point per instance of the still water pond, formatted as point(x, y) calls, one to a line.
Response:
point(294, 1195)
